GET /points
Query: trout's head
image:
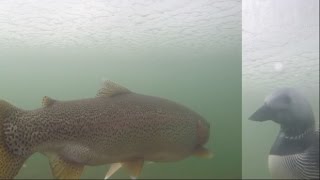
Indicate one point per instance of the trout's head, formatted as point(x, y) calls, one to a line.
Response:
point(203, 131)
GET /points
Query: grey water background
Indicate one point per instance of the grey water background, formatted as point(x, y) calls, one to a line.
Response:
point(186, 51)
point(280, 49)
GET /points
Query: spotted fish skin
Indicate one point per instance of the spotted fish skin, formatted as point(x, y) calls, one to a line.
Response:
point(295, 152)
point(108, 129)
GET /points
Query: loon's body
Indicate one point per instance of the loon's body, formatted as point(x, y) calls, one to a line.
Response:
point(295, 152)
point(117, 126)
point(295, 157)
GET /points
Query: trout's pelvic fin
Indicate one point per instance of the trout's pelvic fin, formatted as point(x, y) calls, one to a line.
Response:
point(10, 163)
point(134, 168)
point(203, 153)
point(111, 89)
point(62, 169)
point(47, 101)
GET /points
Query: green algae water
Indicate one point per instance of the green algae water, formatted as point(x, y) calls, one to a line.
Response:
point(185, 51)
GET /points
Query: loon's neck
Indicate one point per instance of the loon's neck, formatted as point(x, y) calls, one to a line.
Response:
point(293, 140)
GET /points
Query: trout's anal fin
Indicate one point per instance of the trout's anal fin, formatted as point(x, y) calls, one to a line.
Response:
point(134, 168)
point(203, 153)
point(62, 169)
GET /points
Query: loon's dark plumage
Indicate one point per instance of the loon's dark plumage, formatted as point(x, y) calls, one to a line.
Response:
point(295, 152)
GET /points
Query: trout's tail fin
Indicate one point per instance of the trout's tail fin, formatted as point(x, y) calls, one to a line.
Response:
point(10, 163)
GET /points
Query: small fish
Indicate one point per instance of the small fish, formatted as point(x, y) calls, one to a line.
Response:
point(117, 127)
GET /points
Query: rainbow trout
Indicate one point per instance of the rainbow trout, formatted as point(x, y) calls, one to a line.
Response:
point(117, 127)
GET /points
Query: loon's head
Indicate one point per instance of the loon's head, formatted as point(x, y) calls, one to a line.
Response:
point(286, 107)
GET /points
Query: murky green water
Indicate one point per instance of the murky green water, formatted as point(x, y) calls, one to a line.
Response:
point(209, 84)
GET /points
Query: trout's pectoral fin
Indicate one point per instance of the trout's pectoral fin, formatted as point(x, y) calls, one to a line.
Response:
point(62, 169)
point(203, 153)
point(134, 168)
point(113, 168)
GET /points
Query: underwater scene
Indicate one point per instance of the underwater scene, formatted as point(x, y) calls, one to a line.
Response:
point(159, 89)
point(86, 77)
point(280, 72)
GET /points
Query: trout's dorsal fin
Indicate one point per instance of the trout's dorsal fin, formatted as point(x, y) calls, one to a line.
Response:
point(47, 101)
point(111, 89)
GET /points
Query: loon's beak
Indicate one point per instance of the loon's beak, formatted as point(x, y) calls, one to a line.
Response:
point(264, 113)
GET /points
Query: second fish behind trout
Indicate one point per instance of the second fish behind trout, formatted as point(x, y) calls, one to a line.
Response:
point(117, 127)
